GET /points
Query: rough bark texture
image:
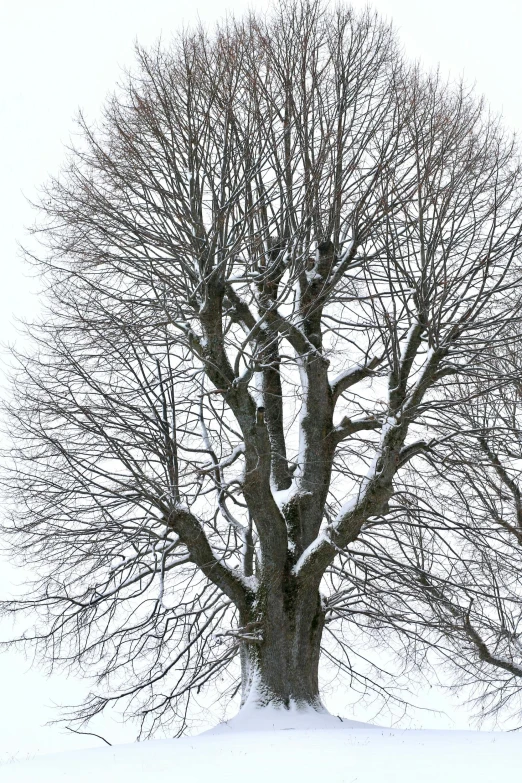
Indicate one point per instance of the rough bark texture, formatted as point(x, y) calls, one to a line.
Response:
point(283, 667)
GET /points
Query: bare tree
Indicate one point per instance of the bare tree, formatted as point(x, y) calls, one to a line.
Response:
point(262, 268)
point(469, 595)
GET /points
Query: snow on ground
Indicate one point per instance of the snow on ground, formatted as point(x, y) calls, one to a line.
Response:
point(276, 747)
point(253, 719)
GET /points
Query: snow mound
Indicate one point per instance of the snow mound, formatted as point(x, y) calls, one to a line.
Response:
point(258, 755)
point(251, 718)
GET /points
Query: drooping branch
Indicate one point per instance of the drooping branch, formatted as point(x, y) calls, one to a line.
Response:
point(190, 531)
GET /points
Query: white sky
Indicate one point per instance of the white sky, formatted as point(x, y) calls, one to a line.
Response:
point(59, 55)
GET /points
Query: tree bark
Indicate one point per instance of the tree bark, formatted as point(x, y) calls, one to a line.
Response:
point(281, 669)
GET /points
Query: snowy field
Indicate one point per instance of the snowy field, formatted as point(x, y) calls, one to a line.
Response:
point(289, 747)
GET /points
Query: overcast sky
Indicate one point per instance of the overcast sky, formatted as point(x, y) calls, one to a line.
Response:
point(59, 55)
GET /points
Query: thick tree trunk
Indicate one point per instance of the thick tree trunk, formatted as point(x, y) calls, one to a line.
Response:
point(282, 669)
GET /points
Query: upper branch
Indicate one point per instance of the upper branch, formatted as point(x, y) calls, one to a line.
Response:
point(376, 488)
point(256, 483)
point(353, 375)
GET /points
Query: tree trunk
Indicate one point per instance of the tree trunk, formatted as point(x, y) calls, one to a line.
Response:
point(282, 669)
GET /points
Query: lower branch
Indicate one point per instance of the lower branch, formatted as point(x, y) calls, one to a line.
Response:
point(191, 533)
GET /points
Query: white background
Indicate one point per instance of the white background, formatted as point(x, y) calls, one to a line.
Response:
point(59, 55)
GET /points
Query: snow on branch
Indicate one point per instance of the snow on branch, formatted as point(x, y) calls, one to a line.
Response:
point(353, 375)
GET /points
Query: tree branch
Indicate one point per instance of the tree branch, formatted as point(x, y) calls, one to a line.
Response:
point(191, 533)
